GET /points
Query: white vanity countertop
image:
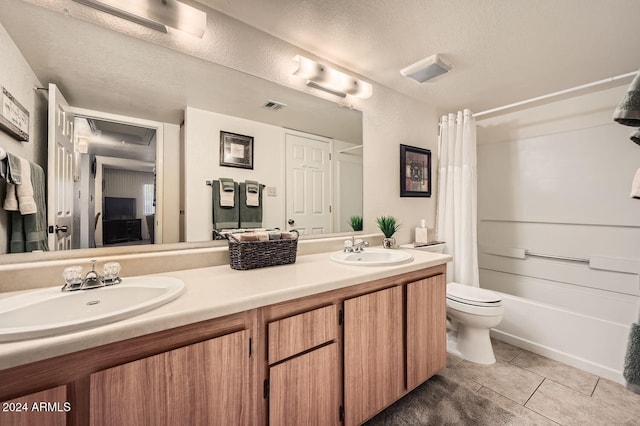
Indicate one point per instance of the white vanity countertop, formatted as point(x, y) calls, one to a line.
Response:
point(215, 292)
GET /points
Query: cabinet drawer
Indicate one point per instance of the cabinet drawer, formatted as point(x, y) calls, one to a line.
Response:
point(290, 336)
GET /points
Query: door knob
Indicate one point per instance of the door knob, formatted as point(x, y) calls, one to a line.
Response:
point(291, 222)
point(63, 228)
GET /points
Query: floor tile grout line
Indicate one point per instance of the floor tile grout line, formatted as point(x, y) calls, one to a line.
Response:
point(594, 388)
point(521, 405)
point(534, 392)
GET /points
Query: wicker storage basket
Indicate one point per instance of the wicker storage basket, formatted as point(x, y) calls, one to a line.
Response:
point(245, 255)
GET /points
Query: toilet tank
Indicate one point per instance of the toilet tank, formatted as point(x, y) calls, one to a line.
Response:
point(434, 247)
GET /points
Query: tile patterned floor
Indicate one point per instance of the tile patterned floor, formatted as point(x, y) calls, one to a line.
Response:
point(541, 391)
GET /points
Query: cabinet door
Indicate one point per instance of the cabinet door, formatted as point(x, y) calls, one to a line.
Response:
point(373, 353)
point(46, 408)
point(426, 329)
point(305, 390)
point(201, 384)
point(293, 335)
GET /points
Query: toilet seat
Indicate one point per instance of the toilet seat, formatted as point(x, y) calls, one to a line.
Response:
point(472, 295)
point(485, 311)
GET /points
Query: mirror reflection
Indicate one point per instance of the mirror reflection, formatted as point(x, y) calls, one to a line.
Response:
point(118, 162)
point(146, 136)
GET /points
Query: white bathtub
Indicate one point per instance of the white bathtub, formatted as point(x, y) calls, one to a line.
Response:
point(591, 344)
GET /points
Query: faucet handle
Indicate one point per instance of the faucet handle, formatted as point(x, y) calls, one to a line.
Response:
point(111, 273)
point(72, 278)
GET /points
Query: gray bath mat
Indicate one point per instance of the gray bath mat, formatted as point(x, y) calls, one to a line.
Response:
point(439, 401)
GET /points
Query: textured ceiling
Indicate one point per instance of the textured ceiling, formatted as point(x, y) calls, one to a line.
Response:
point(503, 50)
point(104, 70)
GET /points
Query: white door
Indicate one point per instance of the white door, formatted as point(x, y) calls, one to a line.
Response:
point(308, 184)
point(60, 172)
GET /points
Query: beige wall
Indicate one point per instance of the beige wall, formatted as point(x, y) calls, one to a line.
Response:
point(18, 78)
point(170, 164)
point(202, 159)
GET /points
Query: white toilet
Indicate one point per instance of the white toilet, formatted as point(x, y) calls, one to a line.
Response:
point(471, 312)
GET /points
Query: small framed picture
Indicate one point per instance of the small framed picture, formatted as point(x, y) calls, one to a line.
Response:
point(415, 171)
point(14, 118)
point(236, 150)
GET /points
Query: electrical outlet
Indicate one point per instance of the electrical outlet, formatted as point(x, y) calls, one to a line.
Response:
point(271, 191)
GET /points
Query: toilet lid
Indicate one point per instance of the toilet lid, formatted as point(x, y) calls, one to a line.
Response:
point(472, 295)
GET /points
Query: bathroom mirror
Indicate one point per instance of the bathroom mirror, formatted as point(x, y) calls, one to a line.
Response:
point(158, 83)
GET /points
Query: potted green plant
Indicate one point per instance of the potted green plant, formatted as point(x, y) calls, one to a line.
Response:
point(388, 225)
point(356, 223)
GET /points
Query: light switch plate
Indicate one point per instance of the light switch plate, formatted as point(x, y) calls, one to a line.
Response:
point(271, 191)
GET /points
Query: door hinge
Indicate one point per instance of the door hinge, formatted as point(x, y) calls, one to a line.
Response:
point(340, 317)
point(341, 413)
point(250, 347)
point(329, 156)
point(329, 208)
point(265, 389)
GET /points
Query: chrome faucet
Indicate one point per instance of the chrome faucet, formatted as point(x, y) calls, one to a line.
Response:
point(355, 246)
point(359, 245)
point(74, 280)
point(92, 279)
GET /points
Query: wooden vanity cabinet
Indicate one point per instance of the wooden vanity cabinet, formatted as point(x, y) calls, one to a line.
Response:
point(390, 337)
point(373, 353)
point(305, 390)
point(45, 408)
point(196, 374)
point(426, 329)
point(303, 384)
point(332, 358)
point(206, 383)
point(394, 340)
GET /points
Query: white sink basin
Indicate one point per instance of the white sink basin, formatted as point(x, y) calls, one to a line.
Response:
point(50, 311)
point(372, 257)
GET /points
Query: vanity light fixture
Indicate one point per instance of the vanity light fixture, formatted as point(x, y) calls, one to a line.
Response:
point(427, 68)
point(155, 14)
point(325, 78)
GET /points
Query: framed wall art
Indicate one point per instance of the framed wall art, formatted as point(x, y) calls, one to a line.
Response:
point(415, 171)
point(236, 150)
point(14, 118)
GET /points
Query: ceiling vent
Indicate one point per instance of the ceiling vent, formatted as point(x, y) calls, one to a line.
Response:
point(274, 105)
point(427, 68)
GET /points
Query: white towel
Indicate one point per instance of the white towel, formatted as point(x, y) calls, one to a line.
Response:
point(253, 198)
point(25, 190)
point(227, 198)
point(635, 186)
point(19, 197)
point(11, 198)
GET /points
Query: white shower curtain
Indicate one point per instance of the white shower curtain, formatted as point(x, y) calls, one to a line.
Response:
point(457, 196)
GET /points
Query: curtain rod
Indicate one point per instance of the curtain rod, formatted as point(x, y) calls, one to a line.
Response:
point(561, 92)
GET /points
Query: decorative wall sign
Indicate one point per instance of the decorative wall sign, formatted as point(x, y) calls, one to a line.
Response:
point(236, 150)
point(14, 118)
point(415, 172)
